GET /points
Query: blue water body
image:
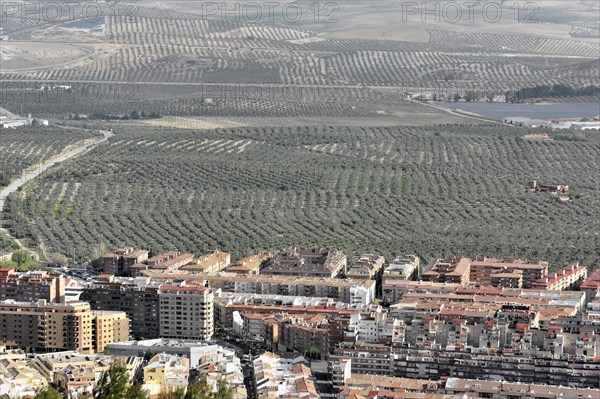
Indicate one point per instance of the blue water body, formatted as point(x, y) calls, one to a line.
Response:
point(533, 111)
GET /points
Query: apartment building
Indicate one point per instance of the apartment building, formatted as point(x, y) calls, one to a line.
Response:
point(212, 262)
point(366, 358)
point(137, 297)
point(186, 311)
point(251, 264)
point(31, 286)
point(226, 304)
point(355, 292)
point(250, 325)
point(340, 370)
point(513, 279)
point(405, 267)
point(165, 373)
point(429, 363)
point(386, 382)
point(167, 262)
point(316, 262)
point(593, 310)
point(42, 326)
point(505, 390)
point(368, 266)
point(569, 278)
point(394, 290)
point(121, 260)
point(109, 326)
point(18, 379)
point(302, 332)
point(483, 269)
point(376, 327)
point(211, 361)
point(276, 377)
point(306, 333)
point(76, 374)
point(591, 286)
point(448, 270)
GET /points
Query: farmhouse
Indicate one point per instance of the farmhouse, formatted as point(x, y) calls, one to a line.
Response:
point(12, 122)
point(548, 188)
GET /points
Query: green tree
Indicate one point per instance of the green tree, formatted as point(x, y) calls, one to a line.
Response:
point(198, 390)
point(178, 393)
point(113, 384)
point(224, 391)
point(135, 391)
point(21, 258)
point(48, 393)
point(314, 352)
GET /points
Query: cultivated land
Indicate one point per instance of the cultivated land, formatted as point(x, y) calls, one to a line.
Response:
point(436, 191)
point(279, 133)
point(175, 59)
point(28, 146)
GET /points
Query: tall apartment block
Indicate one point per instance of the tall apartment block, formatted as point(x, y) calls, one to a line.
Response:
point(186, 311)
point(31, 286)
point(121, 260)
point(138, 298)
point(109, 327)
point(46, 327)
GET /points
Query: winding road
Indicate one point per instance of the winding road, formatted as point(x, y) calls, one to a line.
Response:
point(36, 170)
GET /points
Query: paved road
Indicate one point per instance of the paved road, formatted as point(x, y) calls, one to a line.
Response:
point(33, 172)
point(458, 113)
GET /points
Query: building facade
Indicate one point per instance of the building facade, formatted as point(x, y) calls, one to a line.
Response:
point(121, 260)
point(31, 286)
point(138, 298)
point(42, 326)
point(316, 262)
point(186, 312)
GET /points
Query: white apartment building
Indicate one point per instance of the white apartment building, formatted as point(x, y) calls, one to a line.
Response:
point(403, 267)
point(374, 328)
point(186, 311)
point(362, 294)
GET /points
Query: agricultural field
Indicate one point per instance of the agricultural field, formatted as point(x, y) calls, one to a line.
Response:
point(173, 47)
point(438, 190)
point(298, 133)
point(26, 146)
